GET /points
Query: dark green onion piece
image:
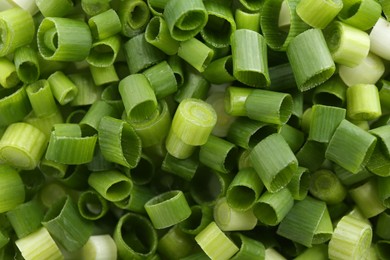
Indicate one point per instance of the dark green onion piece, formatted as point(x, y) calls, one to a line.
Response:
point(135, 202)
point(157, 34)
point(162, 79)
point(157, 6)
point(282, 77)
point(325, 186)
point(175, 244)
point(91, 120)
point(249, 248)
point(183, 168)
point(27, 64)
point(331, 93)
point(200, 217)
point(134, 16)
point(112, 96)
point(361, 14)
point(311, 155)
point(220, 70)
point(76, 177)
point(294, 137)
point(92, 205)
point(318, 14)
point(350, 179)
point(379, 161)
point(384, 93)
point(300, 183)
point(12, 189)
point(144, 171)
point(382, 223)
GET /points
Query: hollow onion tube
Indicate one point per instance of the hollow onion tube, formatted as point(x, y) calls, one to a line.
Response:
point(103, 53)
point(318, 14)
point(162, 79)
point(250, 67)
point(57, 8)
point(274, 162)
point(64, 223)
point(177, 148)
point(299, 184)
point(22, 146)
point(249, 248)
point(12, 190)
point(381, 224)
point(144, 171)
point(269, 106)
point(111, 95)
point(183, 168)
point(310, 59)
point(63, 89)
point(379, 161)
point(351, 239)
point(361, 14)
point(135, 202)
point(135, 237)
point(194, 86)
point(27, 64)
point(311, 155)
point(17, 28)
point(63, 39)
point(92, 205)
point(157, 6)
point(157, 34)
point(175, 244)
point(200, 217)
point(325, 186)
point(99, 247)
point(347, 44)
point(39, 245)
point(229, 219)
point(308, 223)
point(331, 93)
point(9, 77)
point(76, 177)
point(247, 20)
point(195, 53)
point(104, 75)
point(134, 16)
point(105, 24)
point(185, 19)
point(220, 71)
point(363, 102)
point(235, 98)
point(294, 137)
point(167, 209)
point(215, 243)
point(350, 146)
point(275, 35)
point(41, 98)
point(90, 122)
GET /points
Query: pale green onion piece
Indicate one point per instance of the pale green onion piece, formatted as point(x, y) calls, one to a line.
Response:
point(215, 243)
point(22, 146)
point(9, 77)
point(229, 219)
point(52, 192)
point(64, 223)
point(361, 14)
point(331, 93)
point(27, 64)
point(369, 71)
point(250, 67)
point(325, 186)
point(12, 190)
point(17, 28)
point(111, 185)
point(272, 253)
point(45, 123)
point(249, 248)
point(271, 208)
point(41, 98)
point(247, 20)
point(58, 8)
point(105, 24)
point(319, 14)
point(63, 39)
point(380, 39)
point(347, 44)
point(350, 146)
point(300, 183)
point(269, 106)
point(39, 245)
point(63, 89)
point(104, 75)
point(103, 53)
point(235, 98)
point(200, 217)
point(167, 209)
point(5, 5)
point(162, 79)
point(253, 6)
point(53, 169)
point(220, 71)
point(310, 59)
point(134, 16)
point(157, 34)
point(14, 105)
point(195, 53)
point(94, 7)
point(175, 244)
point(351, 239)
point(185, 19)
point(99, 247)
point(92, 205)
point(363, 102)
point(177, 148)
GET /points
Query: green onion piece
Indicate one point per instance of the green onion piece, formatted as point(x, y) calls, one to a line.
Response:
point(276, 34)
point(379, 37)
point(311, 155)
point(138, 97)
point(350, 146)
point(185, 19)
point(6, 5)
point(26, 218)
point(324, 121)
point(175, 244)
point(14, 105)
point(194, 86)
point(139, 195)
point(162, 79)
point(380, 249)
point(68, 146)
point(269, 106)
point(215, 243)
point(382, 223)
point(193, 121)
point(183, 168)
point(45, 123)
point(58, 8)
point(157, 6)
point(235, 98)
point(229, 219)
point(271, 253)
point(104, 75)
point(9, 77)
point(177, 148)
point(281, 77)
point(351, 179)
point(53, 169)
point(274, 162)
point(383, 136)
point(384, 94)
point(383, 186)
point(4, 239)
point(318, 14)
point(39, 245)
point(385, 8)
point(220, 24)
point(244, 159)
point(52, 192)
point(319, 252)
point(361, 14)
point(134, 16)
point(144, 171)
point(22, 146)
point(64, 39)
point(247, 20)
point(111, 185)
point(195, 53)
point(200, 217)
point(347, 44)
point(363, 102)
point(92, 205)
point(157, 34)
point(366, 197)
point(369, 71)
point(244, 190)
point(310, 59)
point(271, 208)
point(325, 186)
point(27, 64)
point(99, 247)
point(105, 24)
point(331, 93)
point(379, 161)
point(112, 96)
point(94, 7)
point(135, 237)
point(351, 239)
point(299, 184)
point(87, 93)
point(12, 189)
point(249, 248)
point(18, 29)
point(63, 89)
point(41, 98)
point(294, 137)
point(220, 70)
point(167, 209)
point(307, 223)
point(64, 223)
point(252, 6)
point(99, 163)
point(104, 52)
point(91, 120)
point(33, 181)
point(250, 68)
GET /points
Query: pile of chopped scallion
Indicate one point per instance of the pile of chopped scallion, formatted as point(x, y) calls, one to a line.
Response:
point(194, 129)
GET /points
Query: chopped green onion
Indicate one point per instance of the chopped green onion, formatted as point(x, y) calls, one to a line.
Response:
point(139, 195)
point(194, 86)
point(247, 20)
point(294, 137)
point(248, 248)
point(220, 70)
point(63, 89)
point(99, 247)
point(318, 14)
point(235, 99)
point(363, 102)
point(27, 64)
point(157, 34)
point(104, 52)
point(162, 79)
point(92, 205)
point(382, 224)
point(195, 53)
point(331, 93)
point(361, 14)
point(105, 24)
point(41, 98)
point(175, 244)
point(299, 184)
point(12, 189)
point(383, 186)
point(311, 155)
point(325, 186)
point(9, 77)
point(58, 8)
point(200, 217)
